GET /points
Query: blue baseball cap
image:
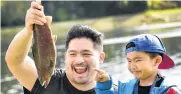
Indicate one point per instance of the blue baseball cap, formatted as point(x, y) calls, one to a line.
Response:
point(151, 43)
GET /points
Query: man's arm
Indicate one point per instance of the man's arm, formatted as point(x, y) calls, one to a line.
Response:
point(21, 66)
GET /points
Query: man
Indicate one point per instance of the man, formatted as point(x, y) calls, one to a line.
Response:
point(145, 55)
point(84, 51)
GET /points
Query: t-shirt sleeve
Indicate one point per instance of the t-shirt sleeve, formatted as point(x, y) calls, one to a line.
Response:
point(38, 88)
point(35, 88)
point(26, 91)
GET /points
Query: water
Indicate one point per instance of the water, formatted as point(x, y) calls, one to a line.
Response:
point(115, 61)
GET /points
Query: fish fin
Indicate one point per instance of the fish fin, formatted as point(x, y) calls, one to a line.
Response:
point(42, 82)
point(54, 37)
point(49, 20)
point(46, 83)
point(52, 63)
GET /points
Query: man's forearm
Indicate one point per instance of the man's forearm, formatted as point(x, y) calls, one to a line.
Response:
point(19, 47)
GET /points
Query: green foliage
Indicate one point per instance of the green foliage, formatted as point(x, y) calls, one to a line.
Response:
point(73, 17)
point(13, 12)
point(12, 15)
point(2, 4)
point(61, 14)
point(125, 2)
point(160, 4)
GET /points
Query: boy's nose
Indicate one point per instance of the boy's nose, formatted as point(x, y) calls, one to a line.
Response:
point(133, 66)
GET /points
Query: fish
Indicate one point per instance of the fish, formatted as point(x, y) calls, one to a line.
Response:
point(44, 52)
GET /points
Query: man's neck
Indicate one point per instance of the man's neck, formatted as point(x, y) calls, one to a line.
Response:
point(83, 87)
point(148, 81)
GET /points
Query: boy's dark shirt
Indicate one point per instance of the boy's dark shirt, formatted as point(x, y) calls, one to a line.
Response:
point(146, 89)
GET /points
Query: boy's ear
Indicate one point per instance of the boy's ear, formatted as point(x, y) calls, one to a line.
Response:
point(158, 60)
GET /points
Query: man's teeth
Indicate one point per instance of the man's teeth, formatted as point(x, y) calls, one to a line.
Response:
point(80, 70)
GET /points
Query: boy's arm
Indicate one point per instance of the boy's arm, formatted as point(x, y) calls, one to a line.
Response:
point(104, 83)
point(172, 89)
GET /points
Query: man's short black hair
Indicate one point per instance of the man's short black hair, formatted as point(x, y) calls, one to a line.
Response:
point(83, 31)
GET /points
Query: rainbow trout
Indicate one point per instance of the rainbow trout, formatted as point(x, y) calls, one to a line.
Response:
point(44, 53)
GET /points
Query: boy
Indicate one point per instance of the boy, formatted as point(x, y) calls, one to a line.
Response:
point(145, 54)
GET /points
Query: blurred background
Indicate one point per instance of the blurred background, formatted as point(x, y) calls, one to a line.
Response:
point(118, 20)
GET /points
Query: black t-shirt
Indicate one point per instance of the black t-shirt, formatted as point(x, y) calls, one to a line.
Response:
point(59, 84)
point(146, 89)
point(143, 89)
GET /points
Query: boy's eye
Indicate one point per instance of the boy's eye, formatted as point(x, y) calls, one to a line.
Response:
point(129, 61)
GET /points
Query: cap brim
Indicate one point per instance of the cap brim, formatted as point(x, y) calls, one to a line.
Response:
point(167, 63)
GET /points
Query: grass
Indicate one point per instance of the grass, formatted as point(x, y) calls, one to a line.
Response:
point(170, 11)
point(153, 17)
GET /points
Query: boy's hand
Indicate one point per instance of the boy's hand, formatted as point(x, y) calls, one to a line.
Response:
point(101, 76)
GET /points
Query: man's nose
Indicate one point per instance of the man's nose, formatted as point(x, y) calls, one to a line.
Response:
point(79, 59)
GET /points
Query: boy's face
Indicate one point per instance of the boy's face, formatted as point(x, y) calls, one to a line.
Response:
point(80, 58)
point(141, 65)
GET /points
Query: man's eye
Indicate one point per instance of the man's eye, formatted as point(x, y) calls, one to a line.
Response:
point(86, 54)
point(138, 60)
point(72, 54)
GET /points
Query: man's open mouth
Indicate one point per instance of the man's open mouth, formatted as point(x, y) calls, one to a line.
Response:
point(80, 70)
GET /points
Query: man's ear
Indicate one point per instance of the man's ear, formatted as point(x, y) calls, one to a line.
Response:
point(101, 58)
point(158, 60)
point(65, 56)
